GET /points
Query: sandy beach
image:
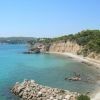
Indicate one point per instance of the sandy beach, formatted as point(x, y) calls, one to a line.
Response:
point(80, 58)
point(96, 63)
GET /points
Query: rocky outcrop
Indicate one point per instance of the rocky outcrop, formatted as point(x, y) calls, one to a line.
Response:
point(71, 47)
point(61, 46)
point(30, 90)
point(68, 46)
point(94, 56)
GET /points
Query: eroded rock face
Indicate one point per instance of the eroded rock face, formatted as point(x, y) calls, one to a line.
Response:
point(30, 90)
point(69, 46)
point(94, 56)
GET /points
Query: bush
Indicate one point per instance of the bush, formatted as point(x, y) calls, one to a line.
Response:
point(83, 97)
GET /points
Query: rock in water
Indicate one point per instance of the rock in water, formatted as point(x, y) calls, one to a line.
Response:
point(30, 90)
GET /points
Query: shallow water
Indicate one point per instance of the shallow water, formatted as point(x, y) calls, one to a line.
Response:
point(46, 69)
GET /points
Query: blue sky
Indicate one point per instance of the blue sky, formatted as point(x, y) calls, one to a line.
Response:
point(48, 18)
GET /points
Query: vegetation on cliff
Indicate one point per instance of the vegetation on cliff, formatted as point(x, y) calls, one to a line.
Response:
point(88, 39)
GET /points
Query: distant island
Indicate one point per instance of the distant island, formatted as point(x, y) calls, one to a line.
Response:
point(15, 40)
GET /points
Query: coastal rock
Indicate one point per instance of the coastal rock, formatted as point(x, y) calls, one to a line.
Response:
point(30, 90)
point(67, 97)
point(69, 46)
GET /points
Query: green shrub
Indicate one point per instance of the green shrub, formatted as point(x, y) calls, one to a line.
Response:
point(83, 97)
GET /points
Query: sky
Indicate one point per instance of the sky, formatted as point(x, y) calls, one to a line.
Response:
point(47, 18)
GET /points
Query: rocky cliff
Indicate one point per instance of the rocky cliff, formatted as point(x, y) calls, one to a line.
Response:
point(71, 47)
point(68, 46)
point(94, 56)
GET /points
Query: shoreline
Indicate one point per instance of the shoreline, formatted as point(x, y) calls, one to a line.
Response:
point(80, 58)
point(88, 61)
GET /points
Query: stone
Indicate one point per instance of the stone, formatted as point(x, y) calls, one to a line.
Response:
point(51, 98)
point(30, 90)
point(39, 94)
point(67, 97)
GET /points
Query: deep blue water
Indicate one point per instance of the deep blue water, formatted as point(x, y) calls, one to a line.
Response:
point(46, 69)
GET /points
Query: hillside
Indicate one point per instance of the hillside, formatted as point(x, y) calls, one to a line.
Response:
point(16, 40)
point(86, 43)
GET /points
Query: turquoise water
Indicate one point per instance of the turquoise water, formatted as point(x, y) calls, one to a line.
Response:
point(46, 69)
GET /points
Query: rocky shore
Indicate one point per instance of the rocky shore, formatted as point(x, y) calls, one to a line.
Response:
point(30, 90)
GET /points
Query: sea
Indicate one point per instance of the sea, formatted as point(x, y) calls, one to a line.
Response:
point(46, 69)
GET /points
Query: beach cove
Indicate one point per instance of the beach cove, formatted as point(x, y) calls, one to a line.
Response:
point(91, 62)
point(46, 69)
